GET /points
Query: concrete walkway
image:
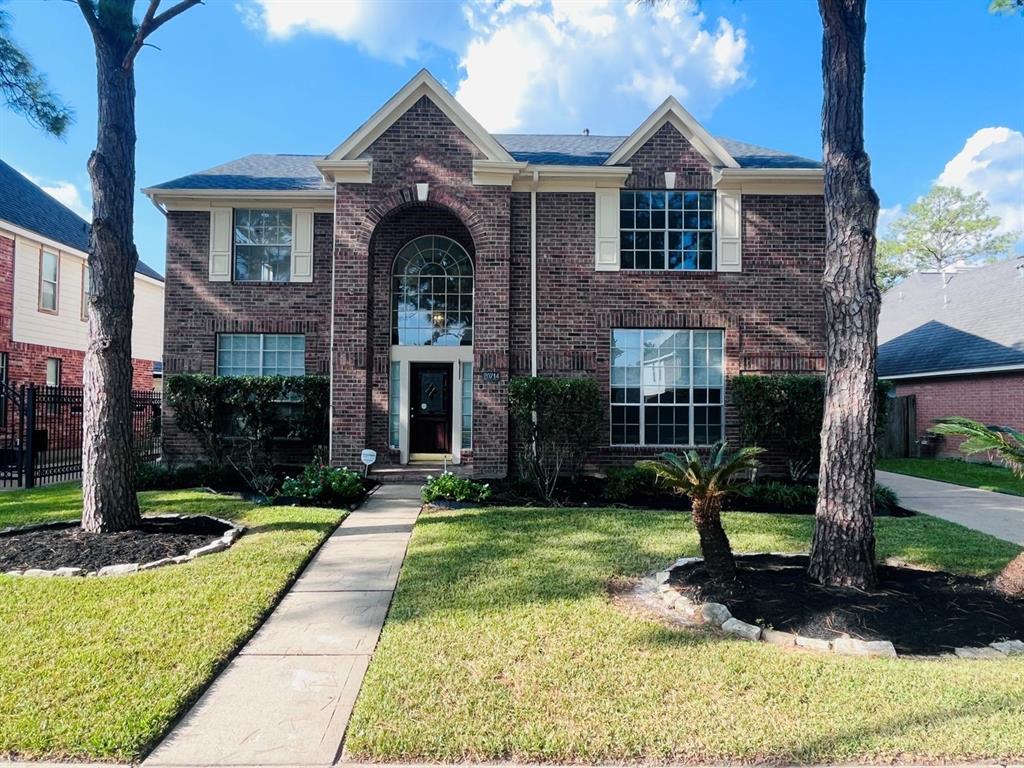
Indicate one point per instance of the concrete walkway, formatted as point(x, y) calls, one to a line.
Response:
point(287, 697)
point(999, 514)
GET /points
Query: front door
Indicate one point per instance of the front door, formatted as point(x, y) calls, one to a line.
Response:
point(430, 400)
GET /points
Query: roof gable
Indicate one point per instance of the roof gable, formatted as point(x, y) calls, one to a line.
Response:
point(672, 112)
point(423, 84)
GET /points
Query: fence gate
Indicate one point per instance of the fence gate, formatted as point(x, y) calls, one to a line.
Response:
point(899, 439)
point(12, 435)
point(41, 433)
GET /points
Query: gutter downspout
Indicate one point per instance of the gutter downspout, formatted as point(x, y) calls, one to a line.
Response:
point(533, 274)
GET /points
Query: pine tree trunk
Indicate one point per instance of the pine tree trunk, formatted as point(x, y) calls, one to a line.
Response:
point(107, 453)
point(714, 544)
point(843, 547)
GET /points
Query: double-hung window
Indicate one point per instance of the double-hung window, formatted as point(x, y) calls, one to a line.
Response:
point(49, 279)
point(667, 387)
point(665, 229)
point(262, 245)
point(261, 354)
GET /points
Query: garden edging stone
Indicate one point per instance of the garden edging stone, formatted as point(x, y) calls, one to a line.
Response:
point(716, 614)
point(229, 537)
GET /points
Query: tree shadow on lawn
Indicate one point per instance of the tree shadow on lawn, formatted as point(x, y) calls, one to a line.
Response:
point(493, 558)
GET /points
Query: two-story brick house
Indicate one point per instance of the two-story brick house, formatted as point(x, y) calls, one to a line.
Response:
point(424, 262)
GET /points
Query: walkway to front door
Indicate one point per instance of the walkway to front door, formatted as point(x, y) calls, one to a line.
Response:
point(287, 697)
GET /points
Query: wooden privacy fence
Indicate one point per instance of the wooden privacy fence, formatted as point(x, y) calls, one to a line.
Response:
point(41, 433)
point(899, 438)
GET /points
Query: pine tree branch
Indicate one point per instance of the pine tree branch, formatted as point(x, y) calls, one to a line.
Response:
point(152, 22)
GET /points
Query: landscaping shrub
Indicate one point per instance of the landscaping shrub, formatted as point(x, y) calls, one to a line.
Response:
point(451, 487)
point(799, 498)
point(237, 420)
point(556, 421)
point(321, 485)
point(786, 411)
point(160, 476)
point(623, 485)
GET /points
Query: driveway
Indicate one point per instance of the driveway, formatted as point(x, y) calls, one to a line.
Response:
point(999, 514)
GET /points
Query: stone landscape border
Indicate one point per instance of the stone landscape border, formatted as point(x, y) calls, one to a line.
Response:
point(229, 537)
point(717, 615)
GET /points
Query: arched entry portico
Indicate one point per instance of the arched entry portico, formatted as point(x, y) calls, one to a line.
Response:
point(431, 369)
point(371, 372)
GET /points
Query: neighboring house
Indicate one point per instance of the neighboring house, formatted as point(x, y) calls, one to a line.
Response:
point(956, 342)
point(424, 262)
point(43, 290)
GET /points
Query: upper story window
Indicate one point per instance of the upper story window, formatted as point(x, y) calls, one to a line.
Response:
point(667, 387)
point(86, 290)
point(262, 245)
point(261, 354)
point(49, 278)
point(432, 294)
point(665, 229)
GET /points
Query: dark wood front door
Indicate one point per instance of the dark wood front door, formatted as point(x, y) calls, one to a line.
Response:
point(430, 398)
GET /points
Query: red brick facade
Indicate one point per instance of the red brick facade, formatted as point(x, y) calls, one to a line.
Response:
point(994, 399)
point(771, 312)
point(26, 363)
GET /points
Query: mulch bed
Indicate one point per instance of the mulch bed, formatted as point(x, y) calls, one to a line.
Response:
point(69, 546)
point(920, 612)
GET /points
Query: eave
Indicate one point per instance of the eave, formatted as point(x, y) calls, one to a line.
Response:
point(770, 181)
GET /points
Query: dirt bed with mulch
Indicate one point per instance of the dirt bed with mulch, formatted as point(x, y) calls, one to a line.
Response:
point(920, 612)
point(67, 545)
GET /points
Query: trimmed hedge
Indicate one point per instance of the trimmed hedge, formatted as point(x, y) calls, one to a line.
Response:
point(786, 411)
point(220, 411)
point(556, 421)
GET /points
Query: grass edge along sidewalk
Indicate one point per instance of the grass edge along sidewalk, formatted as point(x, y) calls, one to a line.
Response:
point(99, 669)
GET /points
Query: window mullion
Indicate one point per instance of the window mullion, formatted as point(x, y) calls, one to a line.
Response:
point(693, 410)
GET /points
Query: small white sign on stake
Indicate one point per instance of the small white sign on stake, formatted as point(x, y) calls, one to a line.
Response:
point(368, 457)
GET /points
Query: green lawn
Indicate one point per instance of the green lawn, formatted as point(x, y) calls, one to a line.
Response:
point(988, 477)
point(99, 668)
point(502, 644)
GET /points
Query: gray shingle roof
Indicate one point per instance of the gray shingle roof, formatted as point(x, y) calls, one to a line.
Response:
point(24, 204)
point(298, 173)
point(977, 321)
point(577, 149)
point(266, 172)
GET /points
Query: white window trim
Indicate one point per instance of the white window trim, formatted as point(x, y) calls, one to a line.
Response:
point(222, 244)
point(691, 405)
point(43, 253)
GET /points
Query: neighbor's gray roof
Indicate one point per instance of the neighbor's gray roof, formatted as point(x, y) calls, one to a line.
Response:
point(24, 204)
point(977, 321)
point(298, 173)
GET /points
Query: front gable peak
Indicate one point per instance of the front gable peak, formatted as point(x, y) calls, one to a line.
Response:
point(423, 84)
point(673, 113)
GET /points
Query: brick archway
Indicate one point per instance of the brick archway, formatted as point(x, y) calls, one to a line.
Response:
point(406, 197)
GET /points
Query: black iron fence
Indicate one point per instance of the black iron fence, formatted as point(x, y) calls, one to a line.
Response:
point(41, 433)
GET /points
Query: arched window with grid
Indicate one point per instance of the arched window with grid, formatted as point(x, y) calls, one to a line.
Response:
point(432, 294)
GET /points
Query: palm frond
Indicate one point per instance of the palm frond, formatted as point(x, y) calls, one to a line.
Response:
point(1005, 442)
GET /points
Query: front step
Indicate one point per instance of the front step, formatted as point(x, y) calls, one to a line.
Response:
point(410, 473)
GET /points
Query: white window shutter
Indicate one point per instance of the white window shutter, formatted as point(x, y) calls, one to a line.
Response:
point(606, 218)
point(729, 226)
point(302, 245)
point(220, 244)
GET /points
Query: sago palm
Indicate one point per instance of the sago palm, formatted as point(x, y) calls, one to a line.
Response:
point(1004, 442)
point(1008, 445)
point(707, 483)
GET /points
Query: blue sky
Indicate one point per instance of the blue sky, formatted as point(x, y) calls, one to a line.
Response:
point(944, 94)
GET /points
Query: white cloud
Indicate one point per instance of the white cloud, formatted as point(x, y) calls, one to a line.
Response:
point(63, 191)
point(389, 30)
point(551, 65)
point(886, 216)
point(992, 163)
point(554, 68)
